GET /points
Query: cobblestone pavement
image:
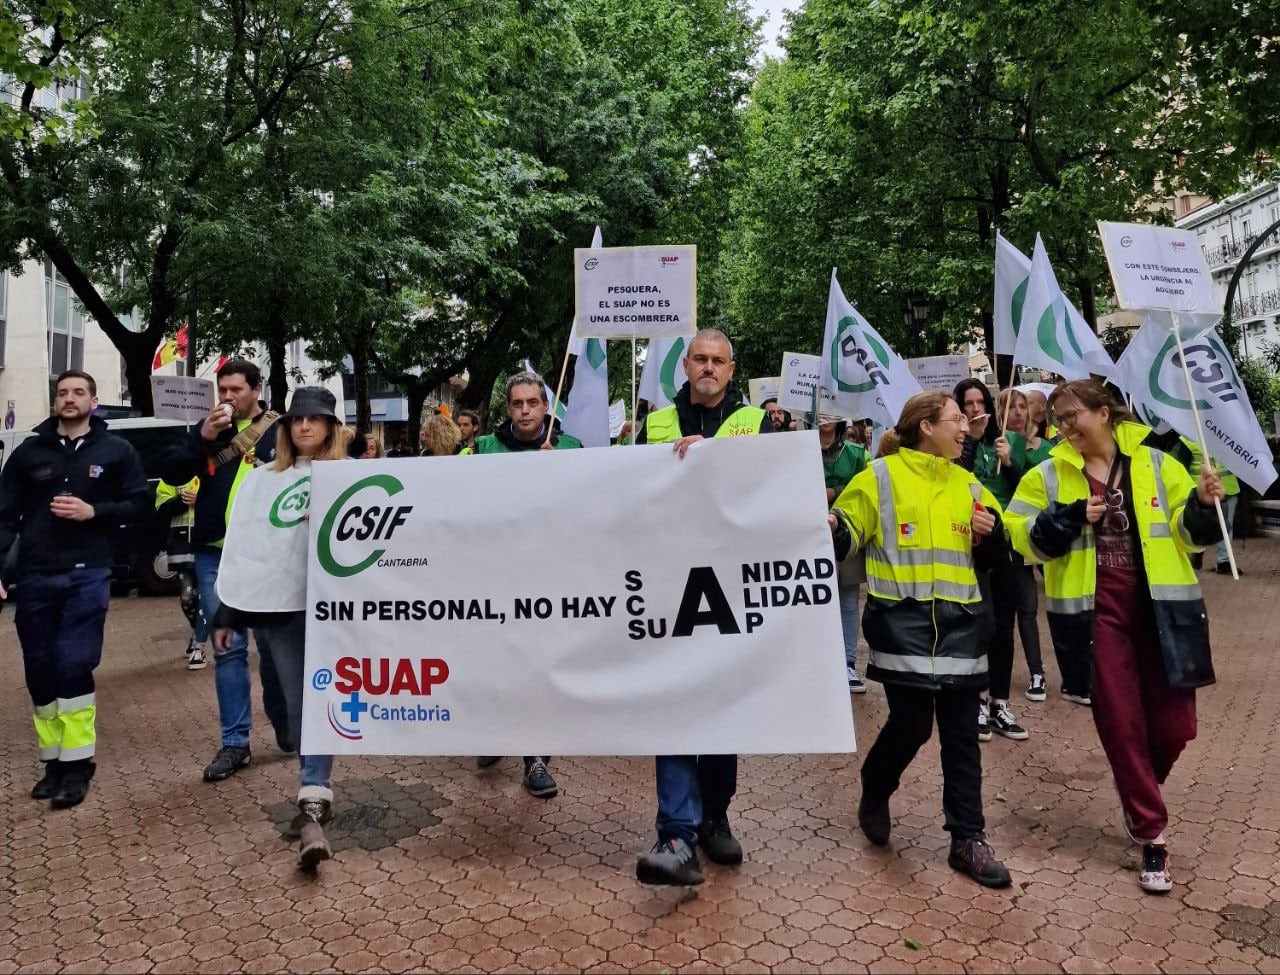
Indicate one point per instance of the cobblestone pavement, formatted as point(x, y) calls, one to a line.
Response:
point(445, 868)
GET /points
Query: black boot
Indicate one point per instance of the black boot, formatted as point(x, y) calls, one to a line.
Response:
point(719, 843)
point(47, 786)
point(313, 848)
point(73, 784)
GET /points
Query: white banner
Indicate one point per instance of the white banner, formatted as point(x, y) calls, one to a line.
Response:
point(1151, 373)
point(763, 389)
point(499, 606)
point(866, 377)
point(635, 292)
point(1158, 267)
point(939, 372)
point(185, 398)
point(801, 374)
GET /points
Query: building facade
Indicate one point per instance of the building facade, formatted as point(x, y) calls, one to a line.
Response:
point(1226, 230)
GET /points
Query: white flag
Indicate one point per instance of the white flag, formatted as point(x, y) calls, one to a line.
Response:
point(1053, 335)
point(586, 414)
point(663, 373)
point(1151, 373)
point(1013, 274)
point(866, 377)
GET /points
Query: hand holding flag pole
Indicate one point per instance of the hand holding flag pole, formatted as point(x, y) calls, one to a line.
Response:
point(1204, 447)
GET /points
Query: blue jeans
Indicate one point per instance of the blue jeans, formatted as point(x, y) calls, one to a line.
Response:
point(286, 643)
point(231, 669)
point(693, 789)
point(1229, 513)
point(849, 623)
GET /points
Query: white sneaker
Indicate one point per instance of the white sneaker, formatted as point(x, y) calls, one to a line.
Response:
point(197, 660)
point(855, 682)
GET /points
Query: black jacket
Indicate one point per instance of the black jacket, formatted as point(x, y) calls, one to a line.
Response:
point(99, 468)
point(193, 457)
point(697, 420)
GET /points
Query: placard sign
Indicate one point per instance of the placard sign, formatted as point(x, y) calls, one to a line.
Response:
point(939, 372)
point(801, 374)
point(635, 292)
point(760, 390)
point(185, 398)
point(1158, 267)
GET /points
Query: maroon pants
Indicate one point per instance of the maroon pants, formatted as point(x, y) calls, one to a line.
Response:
point(1143, 723)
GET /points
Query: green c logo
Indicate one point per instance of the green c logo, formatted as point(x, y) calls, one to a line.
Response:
point(874, 375)
point(324, 547)
point(667, 374)
point(290, 506)
point(1167, 355)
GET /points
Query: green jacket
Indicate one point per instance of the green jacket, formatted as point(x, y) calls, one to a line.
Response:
point(504, 441)
point(841, 465)
point(980, 457)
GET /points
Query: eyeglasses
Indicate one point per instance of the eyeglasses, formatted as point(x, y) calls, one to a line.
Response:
point(1115, 517)
point(1067, 418)
point(953, 418)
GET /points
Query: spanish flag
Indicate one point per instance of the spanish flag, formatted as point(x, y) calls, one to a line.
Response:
point(171, 349)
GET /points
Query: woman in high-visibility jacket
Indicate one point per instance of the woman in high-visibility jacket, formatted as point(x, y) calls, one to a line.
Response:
point(914, 512)
point(1113, 521)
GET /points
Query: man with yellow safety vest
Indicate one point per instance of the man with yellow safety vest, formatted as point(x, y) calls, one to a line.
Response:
point(926, 525)
point(1114, 520)
point(694, 791)
point(178, 504)
point(237, 437)
point(64, 495)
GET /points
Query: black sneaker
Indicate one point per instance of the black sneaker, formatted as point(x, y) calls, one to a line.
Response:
point(984, 722)
point(73, 784)
point(486, 761)
point(1037, 688)
point(974, 857)
point(875, 820)
point(1002, 722)
point(1154, 877)
point(538, 781)
point(719, 843)
point(1224, 569)
point(229, 760)
point(671, 862)
point(48, 785)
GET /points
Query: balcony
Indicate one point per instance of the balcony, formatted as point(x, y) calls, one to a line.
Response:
point(1219, 256)
point(1256, 305)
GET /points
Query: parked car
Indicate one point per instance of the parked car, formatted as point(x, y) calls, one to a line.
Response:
point(141, 558)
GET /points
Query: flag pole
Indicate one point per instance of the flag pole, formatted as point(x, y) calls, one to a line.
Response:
point(555, 403)
point(1204, 447)
point(634, 431)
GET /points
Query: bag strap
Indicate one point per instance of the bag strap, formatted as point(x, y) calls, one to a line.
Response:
point(244, 441)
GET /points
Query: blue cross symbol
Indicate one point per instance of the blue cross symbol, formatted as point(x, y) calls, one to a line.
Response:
point(354, 707)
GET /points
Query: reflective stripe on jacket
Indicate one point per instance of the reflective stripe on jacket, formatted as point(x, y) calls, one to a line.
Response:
point(912, 513)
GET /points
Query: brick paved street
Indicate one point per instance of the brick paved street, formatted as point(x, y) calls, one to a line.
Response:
point(444, 868)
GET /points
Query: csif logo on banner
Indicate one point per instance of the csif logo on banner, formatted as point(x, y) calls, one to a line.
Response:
point(358, 518)
point(291, 505)
point(1209, 365)
point(846, 346)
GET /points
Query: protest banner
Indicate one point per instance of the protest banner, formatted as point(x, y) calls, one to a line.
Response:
point(865, 376)
point(765, 388)
point(432, 631)
point(635, 292)
point(617, 417)
point(939, 372)
point(801, 375)
point(1158, 267)
point(185, 398)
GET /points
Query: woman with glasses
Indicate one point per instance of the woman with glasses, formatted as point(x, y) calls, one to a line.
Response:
point(1114, 522)
point(924, 521)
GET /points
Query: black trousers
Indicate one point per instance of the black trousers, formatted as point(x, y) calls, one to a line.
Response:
point(1009, 596)
point(910, 724)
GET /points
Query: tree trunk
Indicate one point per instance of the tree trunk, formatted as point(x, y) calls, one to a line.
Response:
point(416, 392)
point(361, 355)
point(1088, 305)
point(138, 356)
point(278, 377)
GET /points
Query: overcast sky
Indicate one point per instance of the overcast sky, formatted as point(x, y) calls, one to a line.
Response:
point(773, 26)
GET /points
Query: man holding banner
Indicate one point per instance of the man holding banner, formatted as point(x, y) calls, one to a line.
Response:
point(526, 428)
point(694, 791)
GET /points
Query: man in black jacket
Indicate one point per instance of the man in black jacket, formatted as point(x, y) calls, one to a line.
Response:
point(64, 495)
point(237, 436)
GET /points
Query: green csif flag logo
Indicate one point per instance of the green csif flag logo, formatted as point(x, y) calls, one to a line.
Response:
point(290, 506)
point(1210, 367)
point(667, 374)
point(1053, 323)
point(373, 520)
point(1016, 301)
point(846, 346)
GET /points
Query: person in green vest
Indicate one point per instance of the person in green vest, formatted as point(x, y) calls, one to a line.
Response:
point(997, 465)
point(525, 428)
point(694, 790)
point(841, 460)
point(1189, 455)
